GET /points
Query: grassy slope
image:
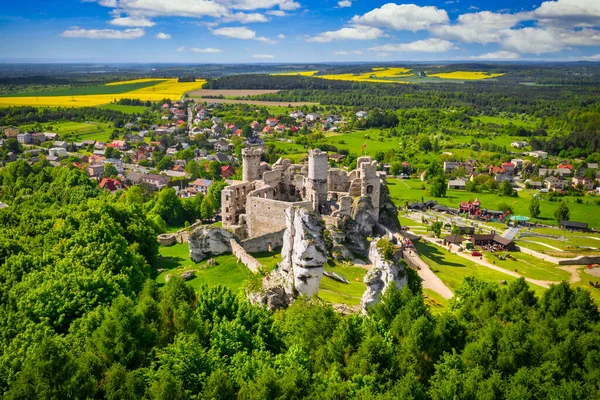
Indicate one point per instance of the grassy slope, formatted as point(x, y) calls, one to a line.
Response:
point(227, 272)
point(347, 293)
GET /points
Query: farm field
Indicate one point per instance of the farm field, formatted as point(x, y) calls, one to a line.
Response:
point(588, 211)
point(228, 92)
point(143, 90)
point(300, 73)
point(465, 75)
point(98, 131)
point(117, 88)
point(176, 260)
point(385, 75)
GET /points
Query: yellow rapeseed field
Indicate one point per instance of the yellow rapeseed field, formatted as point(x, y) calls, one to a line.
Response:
point(302, 73)
point(465, 75)
point(377, 75)
point(167, 89)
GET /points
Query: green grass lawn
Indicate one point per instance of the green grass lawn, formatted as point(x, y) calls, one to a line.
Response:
point(529, 266)
point(584, 283)
point(587, 211)
point(176, 260)
point(452, 269)
point(436, 303)
point(269, 259)
point(99, 131)
point(87, 90)
point(336, 292)
point(505, 121)
point(125, 109)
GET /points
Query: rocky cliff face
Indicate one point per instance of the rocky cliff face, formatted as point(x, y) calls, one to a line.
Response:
point(388, 213)
point(360, 226)
point(206, 241)
point(303, 257)
point(384, 272)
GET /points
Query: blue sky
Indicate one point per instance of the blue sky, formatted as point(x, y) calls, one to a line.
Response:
point(243, 31)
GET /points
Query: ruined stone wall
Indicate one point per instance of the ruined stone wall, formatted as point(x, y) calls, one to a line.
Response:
point(370, 184)
point(316, 184)
point(233, 202)
point(337, 180)
point(242, 256)
point(267, 242)
point(267, 215)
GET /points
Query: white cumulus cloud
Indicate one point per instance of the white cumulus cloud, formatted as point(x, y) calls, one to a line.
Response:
point(497, 55)
point(141, 22)
point(163, 36)
point(344, 3)
point(352, 33)
point(263, 56)
point(245, 18)
point(347, 52)
point(433, 45)
point(77, 32)
point(402, 17)
point(198, 49)
point(240, 32)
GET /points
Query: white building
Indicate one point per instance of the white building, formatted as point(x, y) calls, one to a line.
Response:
point(361, 114)
point(538, 154)
point(57, 152)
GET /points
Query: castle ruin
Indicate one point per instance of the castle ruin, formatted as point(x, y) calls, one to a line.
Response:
point(257, 205)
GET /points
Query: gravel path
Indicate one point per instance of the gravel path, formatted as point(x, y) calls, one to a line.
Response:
point(430, 280)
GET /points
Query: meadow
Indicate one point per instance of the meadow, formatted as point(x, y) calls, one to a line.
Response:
point(89, 90)
point(99, 131)
point(587, 211)
point(143, 89)
point(125, 109)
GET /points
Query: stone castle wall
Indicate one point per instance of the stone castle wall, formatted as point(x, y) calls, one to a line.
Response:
point(267, 215)
point(242, 256)
point(267, 242)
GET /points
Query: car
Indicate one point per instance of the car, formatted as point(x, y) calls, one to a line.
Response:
point(476, 254)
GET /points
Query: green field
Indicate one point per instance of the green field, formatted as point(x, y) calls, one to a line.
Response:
point(529, 266)
point(504, 121)
point(587, 211)
point(269, 259)
point(99, 131)
point(176, 260)
point(452, 269)
point(125, 109)
point(87, 90)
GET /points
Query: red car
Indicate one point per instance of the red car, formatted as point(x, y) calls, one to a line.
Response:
point(476, 254)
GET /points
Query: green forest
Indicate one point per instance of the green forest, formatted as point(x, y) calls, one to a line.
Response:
point(82, 318)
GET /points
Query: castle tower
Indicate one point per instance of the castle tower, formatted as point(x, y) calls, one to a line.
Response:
point(250, 164)
point(318, 167)
point(370, 182)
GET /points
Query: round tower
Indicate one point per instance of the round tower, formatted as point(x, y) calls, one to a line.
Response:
point(318, 167)
point(250, 164)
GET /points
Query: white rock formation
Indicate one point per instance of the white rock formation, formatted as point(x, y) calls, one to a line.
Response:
point(208, 241)
point(303, 257)
point(383, 273)
point(303, 254)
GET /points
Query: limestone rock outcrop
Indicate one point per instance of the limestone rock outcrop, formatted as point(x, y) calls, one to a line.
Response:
point(206, 241)
point(388, 212)
point(303, 256)
point(384, 272)
point(360, 226)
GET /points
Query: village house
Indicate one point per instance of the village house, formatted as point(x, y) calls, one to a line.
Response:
point(539, 154)
point(509, 168)
point(112, 185)
point(11, 132)
point(534, 184)
point(296, 114)
point(272, 122)
point(38, 138)
point(519, 145)
point(255, 125)
point(24, 138)
point(586, 183)
point(227, 171)
point(201, 185)
point(450, 166)
point(62, 144)
point(457, 184)
point(223, 145)
point(556, 171)
point(95, 170)
point(312, 117)
point(151, 180)
point(51, 135)
point(58, 152)
point(361, 114)
point(555, 184)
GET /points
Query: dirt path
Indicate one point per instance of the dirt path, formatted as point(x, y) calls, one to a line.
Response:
point(484, 263)
point(572, 269)
point(541, 256)
point(543, 244)
point(430, 280)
